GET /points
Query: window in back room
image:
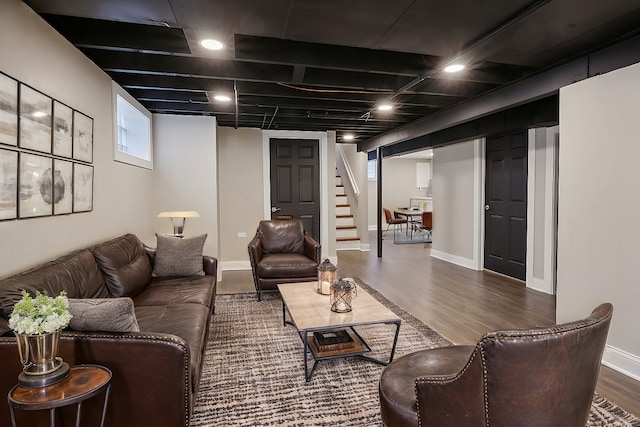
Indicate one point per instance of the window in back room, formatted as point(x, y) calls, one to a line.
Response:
point(132, 131)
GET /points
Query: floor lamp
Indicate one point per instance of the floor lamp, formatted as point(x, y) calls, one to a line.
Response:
point(178, 219)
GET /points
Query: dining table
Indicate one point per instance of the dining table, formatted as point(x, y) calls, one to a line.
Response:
point(410, 214)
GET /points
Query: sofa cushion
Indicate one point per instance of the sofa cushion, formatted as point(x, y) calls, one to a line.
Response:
point(125, 265)
point(103, 314)
point(177, 256)
point(76, 273)
point(188, 321)
point(286, 265)
point(281, 236)
point(178, 290)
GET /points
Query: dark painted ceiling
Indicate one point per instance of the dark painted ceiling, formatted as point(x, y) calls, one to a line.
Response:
point(326, 64)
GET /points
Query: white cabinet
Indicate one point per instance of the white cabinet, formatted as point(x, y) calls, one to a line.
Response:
point(423, 174)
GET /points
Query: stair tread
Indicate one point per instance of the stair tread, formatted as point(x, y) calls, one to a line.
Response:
point(342, 205)
point(346, 239)
point(344, 216)
point(345, 227)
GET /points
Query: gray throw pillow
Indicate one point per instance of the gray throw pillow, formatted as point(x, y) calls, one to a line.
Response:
point(177, 256)
point(103, 314)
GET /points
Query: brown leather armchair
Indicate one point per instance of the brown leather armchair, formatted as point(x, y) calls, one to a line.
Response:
point(535, 377)
point(282, 252)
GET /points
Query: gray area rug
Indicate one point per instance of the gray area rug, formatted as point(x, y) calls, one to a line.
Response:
point(254, 375)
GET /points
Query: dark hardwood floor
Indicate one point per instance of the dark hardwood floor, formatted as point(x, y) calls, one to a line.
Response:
point(464, 304)
point(459, 303)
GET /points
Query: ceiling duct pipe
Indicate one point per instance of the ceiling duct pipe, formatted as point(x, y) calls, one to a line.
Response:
point(273, 117)
point(235, 95)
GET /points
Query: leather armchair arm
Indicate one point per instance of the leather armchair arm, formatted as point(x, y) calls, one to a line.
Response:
point(255, 250)
point(210, 265)
point(150, 383)
point(453, 399)
point(311, 248)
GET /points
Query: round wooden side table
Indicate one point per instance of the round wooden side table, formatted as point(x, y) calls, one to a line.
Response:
point(83, 382)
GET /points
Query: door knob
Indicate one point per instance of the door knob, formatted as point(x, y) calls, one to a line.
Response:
point(274, 209)
point(487, 207)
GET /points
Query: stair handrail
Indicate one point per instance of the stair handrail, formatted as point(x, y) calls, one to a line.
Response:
point(347, 167)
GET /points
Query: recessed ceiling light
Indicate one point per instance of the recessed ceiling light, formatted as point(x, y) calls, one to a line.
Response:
point(385, 107)
point(454, 68)
point(222, 98)
point(39, 114)
point(348, 137)
point(212, 44)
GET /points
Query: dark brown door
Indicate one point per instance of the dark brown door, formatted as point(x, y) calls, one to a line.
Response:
point(505, 244)
point(295, 182)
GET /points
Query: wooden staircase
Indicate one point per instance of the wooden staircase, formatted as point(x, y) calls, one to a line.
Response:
point(346, 231)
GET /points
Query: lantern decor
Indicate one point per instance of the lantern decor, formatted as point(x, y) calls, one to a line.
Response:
point(342, 293)
point(326, 277)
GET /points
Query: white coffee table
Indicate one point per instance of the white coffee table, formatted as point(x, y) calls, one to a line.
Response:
point(310, 312)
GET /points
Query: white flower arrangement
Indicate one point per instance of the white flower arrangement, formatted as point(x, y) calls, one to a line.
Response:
point(40, 315)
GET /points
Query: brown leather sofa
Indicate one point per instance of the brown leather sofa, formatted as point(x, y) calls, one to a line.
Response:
point(535, 377)
point(155, 371)
point(282, 252)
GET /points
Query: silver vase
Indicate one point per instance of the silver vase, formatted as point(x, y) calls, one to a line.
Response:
point(38, 356)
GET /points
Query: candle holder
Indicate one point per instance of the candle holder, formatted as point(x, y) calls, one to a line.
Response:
point(326, 277)
point(342, 293)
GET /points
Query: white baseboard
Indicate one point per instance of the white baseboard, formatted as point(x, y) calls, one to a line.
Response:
point(622, 361)
point(235, 265)
point(454, 259)
point(365, 247)
point(373, 227)
point(540, 285)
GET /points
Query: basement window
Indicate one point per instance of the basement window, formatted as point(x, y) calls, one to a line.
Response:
point(132, 133)
point(371, 170)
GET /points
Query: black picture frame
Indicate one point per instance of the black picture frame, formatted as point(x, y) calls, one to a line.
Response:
point(82, 187)
point(8, 110)
point(82, 137)
point(62, 130)
point(35, 119)
point(35, 185)
point(62, 187)
point(8, 184)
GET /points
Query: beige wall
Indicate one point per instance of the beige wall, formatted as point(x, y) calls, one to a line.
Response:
point(35, 54)
point(455, 181)
point(185, 175)
point(243, 159)
point(598, 210)
point(398, 186)
point(241, 192)
point(541, 209)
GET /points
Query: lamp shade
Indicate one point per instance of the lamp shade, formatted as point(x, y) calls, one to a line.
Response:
point(179, 214)
point(178, 219)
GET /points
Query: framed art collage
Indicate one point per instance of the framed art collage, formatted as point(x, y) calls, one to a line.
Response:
point(46, 154)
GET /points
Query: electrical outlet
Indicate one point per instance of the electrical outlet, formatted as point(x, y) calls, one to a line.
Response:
point(242, 234)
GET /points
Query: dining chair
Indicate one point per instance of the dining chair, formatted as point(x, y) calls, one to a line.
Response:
point(392, 221)
point(427, 223)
